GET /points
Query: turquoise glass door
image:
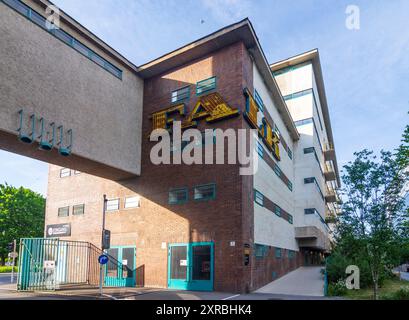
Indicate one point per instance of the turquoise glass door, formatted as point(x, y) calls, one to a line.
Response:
point(191, 266)
point(178, 267)
point(201, 267)
point(120, 270)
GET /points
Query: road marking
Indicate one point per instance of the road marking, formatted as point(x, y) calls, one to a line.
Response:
point(228, 298)
point(109, 296)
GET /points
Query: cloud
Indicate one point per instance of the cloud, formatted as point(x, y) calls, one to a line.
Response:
point(227, 11)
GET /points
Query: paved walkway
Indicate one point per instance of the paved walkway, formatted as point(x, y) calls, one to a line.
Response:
point(305, 281)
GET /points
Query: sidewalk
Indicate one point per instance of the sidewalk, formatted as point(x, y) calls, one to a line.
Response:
point(305, 281)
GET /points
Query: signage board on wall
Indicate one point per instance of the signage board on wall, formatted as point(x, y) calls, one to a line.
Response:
point(58, 230)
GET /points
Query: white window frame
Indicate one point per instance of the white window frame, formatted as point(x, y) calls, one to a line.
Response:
point(111, 200)
point(132, 202)
point(66, 170)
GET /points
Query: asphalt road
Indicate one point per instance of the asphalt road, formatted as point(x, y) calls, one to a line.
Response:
point(6, 277)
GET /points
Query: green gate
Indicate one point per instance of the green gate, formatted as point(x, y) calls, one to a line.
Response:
point(50, 264)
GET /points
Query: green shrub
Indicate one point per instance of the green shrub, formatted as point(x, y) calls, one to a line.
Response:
point(401, 294)
point(337, 264)
point(337, 289)
point(7, 269)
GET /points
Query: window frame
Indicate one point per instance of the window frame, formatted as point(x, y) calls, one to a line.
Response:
point(66, 176)
point(113, 199)
point(77, 206)
point(64, 216)
point(213, 197)
point(186, 199)
point(213, 87)
point(260, 198)
point(278, 253)
point(132, 197)
point(186, 98)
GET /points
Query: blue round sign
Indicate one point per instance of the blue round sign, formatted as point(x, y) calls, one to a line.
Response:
point(103, 259)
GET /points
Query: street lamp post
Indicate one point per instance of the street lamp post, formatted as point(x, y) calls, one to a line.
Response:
point(101, 267)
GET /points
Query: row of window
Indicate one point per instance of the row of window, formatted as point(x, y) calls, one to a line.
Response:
point(303, 122)
point(261, 251)
point(260, 104)
point(77, 210)
point(304, 93)
point(314, 180)
point(312, 150)
point(314, 211)
point(65, 172)
point(263, 201)
point(203, 86)
point(200, 193)
point(273, 165)
point(290, 68)
point(40, 21)
point(130, 203)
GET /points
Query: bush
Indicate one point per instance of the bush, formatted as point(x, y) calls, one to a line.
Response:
point(401, 294)
point(7, 269)
point(337, 289)
point(337, 264)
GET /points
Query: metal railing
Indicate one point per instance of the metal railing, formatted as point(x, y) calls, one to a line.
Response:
point(51, 264)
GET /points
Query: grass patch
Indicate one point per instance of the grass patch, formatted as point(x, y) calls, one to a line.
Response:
point(7, 269)
point(389, 287)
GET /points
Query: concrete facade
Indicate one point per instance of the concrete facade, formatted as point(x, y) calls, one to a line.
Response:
point(257, 224)
point(65, 87)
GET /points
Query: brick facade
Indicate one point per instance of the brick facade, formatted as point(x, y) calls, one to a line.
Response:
point(230, 217)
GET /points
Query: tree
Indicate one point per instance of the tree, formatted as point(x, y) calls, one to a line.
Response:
point(21, 216)
point(372, 215)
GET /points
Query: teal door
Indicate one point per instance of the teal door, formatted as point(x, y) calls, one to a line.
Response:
point(120, 270)
point(190, 266)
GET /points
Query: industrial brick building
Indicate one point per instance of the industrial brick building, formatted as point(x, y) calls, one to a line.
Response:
point(195, 227)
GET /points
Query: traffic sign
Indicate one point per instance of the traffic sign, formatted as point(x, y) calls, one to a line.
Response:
point(13, 255)
point(103, 259)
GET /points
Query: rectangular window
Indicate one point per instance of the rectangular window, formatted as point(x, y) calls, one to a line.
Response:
point(291, 254)
point(132, 202)
point(278, 253)
point(78, 210)
point(178, 196)
point(65, 37)
point(65, 172)
point(205, 192)
point(277, 170)
point(18, 6)
point(309, 150)
point(260, 149)
point(303, 122)
point(260, 250)
point(290, 219)
point(259, 198)
point(205, 85)
point(112, 205)
point(290, 154)
point(277, 211)
point(309, 211)
point(309, 180)
point(259, 101)
point(181, 94)
point(38, 19)
point(64, 212)
point(290, 185)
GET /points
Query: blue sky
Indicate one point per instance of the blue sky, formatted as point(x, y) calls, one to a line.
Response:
point(366, 71)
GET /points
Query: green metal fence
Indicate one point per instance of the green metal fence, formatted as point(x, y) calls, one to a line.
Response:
point(49, 264)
